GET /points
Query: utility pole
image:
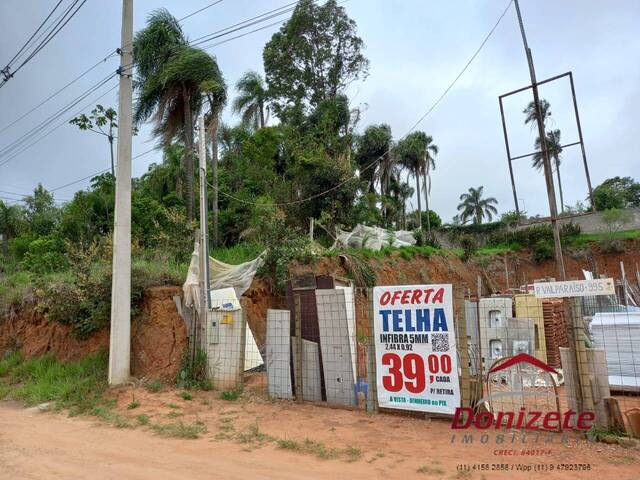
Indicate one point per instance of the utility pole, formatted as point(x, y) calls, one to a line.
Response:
point(120, 339)
point(545, 154)
point(204, 221)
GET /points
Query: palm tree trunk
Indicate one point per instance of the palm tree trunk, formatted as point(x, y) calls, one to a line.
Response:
point(560, 186)
point(261, 115)
point(213, 128)
point(188, 154)
point(419, 204)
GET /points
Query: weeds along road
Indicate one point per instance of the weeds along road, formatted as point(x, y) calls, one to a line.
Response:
point(247, 439)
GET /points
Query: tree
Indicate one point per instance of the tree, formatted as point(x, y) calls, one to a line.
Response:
point(617, 192)
point(171, 79)
point(97, 119)
point(554, 150)
point(531, 113)
point(430, 151)
point(412, 153)
point(474, 206)
point(374, 158)
point(11, 217)
point(251, 102)
point(313, 57)
point(41, 212)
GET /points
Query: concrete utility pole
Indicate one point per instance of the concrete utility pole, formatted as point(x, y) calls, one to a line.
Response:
point(120, 340)
point(204, 221)
point(551, 194)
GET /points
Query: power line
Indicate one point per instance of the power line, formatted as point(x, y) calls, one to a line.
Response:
point(98, 172)
point(26, 136)
point(198, 11)
point(5, 71)
point(59, 91)
point(374, 162)
point(63, 123)
point(68, 15)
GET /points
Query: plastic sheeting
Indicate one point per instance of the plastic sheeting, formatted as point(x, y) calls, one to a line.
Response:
point(223, 275)
point(374, 238)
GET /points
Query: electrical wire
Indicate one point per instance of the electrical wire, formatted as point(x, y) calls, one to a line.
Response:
point(26, 136)
point(59, 91)
point(374, 162)
point(33, 35)
point(66, 121)
point(198, 11)
point(62, 22)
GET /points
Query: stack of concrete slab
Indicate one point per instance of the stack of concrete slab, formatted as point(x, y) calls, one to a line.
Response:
point(336, 320)
point(618, 334)
point(493, 314)
point(528, 306)
point(278, 355)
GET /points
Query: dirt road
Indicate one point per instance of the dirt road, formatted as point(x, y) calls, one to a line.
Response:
point(244, 441)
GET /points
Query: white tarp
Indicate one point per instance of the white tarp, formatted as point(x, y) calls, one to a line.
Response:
point(223, 275)
point(374, 238)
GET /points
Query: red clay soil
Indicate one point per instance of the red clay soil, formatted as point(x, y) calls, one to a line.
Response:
point(523, 269)
point(158, 336)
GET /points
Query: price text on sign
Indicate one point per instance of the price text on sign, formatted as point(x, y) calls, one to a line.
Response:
point(415, 341)
point(574, 288)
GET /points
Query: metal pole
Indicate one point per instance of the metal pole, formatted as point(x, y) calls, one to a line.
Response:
point(506, 144)
point(584, 155)
point(545, 154)
point(120, 336)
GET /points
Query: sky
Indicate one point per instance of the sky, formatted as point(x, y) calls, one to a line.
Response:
point(415, 47)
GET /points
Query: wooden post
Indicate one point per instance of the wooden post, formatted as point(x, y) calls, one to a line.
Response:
point(298, 357)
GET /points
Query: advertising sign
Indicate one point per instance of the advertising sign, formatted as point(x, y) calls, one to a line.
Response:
point(574, 288)
point(415, 341)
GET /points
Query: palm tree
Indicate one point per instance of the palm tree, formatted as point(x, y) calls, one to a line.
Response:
point(170, 80)
point(474, 206)
point(531, 112)
point(554, 149)
point(430, 151)
point(402, 192)
point(374, 158)
point(411, 154)
point(252, 99)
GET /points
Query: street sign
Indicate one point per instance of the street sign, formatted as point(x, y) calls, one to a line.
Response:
point(574, 288)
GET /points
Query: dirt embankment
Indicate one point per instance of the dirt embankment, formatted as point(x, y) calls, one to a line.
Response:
point(158, 336)
point(522, 269)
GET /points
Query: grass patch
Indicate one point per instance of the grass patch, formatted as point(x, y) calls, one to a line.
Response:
point(230, 395)
point(427, 470)
point(154, 386)
point(186, 396)
point(240, 253)
point(132, 405)
point(109, 416)
point(143, 419)
point(180, 430)
point(14, 288)
point(319, 449)
point(76, 385)
point(586, 238)
point(172, 405)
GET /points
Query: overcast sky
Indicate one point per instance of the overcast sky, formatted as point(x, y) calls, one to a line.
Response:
point(416, 48)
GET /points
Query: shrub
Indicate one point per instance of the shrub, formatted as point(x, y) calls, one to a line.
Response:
point(615, 221)
point(469, 246)
point(543, 250)
point(44, 255)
